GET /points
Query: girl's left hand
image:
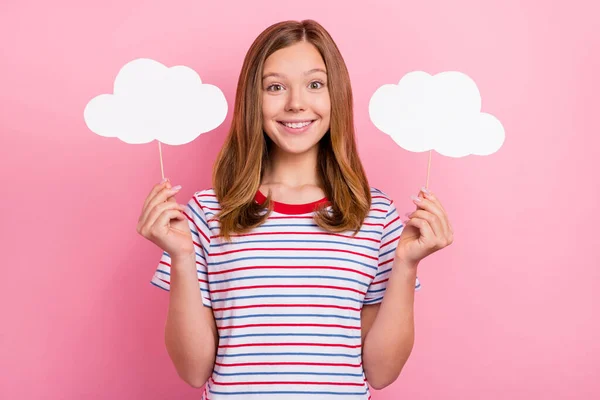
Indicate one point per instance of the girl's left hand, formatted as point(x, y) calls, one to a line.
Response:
point(427, 230)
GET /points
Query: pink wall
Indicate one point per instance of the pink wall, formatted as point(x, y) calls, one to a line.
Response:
point(509, 311)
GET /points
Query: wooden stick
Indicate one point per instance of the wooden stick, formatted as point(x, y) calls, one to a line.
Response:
point(162, 169)
point(428, 170)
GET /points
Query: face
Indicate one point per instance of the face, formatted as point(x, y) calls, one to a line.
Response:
point(295, 96)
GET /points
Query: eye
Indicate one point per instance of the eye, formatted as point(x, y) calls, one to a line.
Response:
point(277, 87)
point(315, 85)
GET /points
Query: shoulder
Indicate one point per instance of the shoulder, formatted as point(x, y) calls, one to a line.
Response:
point(380, 198)
point(206, 195)
point(206, 200)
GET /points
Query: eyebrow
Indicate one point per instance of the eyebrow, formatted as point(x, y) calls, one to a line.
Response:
point(312, 71)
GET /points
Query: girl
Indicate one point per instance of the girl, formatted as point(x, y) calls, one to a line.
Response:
point(306, 273)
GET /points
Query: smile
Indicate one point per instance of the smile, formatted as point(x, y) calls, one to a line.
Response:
point(296, 127)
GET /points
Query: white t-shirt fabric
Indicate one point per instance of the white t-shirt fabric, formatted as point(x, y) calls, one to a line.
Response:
point(287, 298)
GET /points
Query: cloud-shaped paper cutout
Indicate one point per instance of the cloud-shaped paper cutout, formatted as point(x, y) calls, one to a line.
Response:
point(441, 112)
point(152, 101)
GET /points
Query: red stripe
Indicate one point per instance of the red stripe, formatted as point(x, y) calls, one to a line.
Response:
point(285, 363)
point(197, 227)
point(391, 241)
point(347, 346)
point(291, 267)
point(287, 383)
point(385, 262)
point(290, 325)
point(292, 249)
point(378, 209)
point(286, 305)
point(300, 233)
point(287, 286)
point(380, 197)
point(378, 282)
point(391, 222)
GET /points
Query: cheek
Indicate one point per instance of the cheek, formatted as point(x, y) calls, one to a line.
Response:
point(323, 106)
point(270, 107)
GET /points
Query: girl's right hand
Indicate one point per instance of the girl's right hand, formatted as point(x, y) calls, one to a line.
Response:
point(163, 223)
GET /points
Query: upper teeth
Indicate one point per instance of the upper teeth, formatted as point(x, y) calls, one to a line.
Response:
point(296, 124)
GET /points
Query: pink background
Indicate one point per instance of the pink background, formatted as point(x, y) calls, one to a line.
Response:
point(509, 311)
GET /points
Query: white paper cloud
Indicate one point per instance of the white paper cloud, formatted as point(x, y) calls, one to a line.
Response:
point(441, 112)
point(152, 101)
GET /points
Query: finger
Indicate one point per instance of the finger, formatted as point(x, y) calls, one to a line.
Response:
point(160, 197)
point(434, 207)
point(434, 222)
point(428, 194)
point(166, 216)
point(161, 225)
point(428, 205)
point(154, 215)
point(432, 197)
point(158, 187)
point(427, 235)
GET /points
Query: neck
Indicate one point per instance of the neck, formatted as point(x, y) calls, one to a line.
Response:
point(292, 170)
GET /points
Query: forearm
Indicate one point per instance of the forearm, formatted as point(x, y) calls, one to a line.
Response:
point(390, 340)
point(190, 332)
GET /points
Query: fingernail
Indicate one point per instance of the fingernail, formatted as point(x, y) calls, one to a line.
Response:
point(164, 180)
point(176, 187)
point(424, 190)
point(407, 214)
point(415, 198)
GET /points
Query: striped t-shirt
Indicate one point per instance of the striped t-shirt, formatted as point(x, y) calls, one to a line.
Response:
point(287, 298)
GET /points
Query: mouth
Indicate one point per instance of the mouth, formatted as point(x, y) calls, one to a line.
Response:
point(296, 126)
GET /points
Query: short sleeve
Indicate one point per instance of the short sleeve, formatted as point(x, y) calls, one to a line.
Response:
point(392, 228)
point(201, 236)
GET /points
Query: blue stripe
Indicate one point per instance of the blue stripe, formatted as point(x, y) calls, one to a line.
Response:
point(198, 215)
point(297, 241)
point(386, 253)
point(390, 232)
point(375, 300)
point(293, 258)
point(287, 315)
point(258, 296)
point(335, 278)
point(289, 354)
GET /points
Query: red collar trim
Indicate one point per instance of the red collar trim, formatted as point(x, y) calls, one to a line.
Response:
point(284, 208)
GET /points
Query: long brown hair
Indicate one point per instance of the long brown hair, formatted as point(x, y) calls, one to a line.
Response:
point(239, 167)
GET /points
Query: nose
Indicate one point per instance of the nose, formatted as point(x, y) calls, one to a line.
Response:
point(295, 100)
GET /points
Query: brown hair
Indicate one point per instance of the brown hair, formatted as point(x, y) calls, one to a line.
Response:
point(238, 169)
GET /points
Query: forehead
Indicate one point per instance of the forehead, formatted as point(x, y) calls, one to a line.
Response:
point(294, 60)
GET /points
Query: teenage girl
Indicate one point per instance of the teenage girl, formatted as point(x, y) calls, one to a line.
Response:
point(306, 274)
